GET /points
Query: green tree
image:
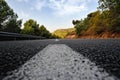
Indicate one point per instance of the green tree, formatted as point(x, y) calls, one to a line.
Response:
point(44, 32)
point(75, 22)
point(95, 23)
point(31, 27)
point(115, 26)
point(114, 8)
point(8, 19)
point(79, 26)
point(13, 26)
point(112, 5)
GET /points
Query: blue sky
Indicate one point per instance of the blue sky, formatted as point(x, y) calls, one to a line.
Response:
point(54, 14)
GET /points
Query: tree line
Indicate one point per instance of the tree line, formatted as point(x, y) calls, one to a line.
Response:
point(9, 23)
point(105, 19)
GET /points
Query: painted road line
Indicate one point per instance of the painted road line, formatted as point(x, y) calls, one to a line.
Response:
point(59, 62)
point(57, 40)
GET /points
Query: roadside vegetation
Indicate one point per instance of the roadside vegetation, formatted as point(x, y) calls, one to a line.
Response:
point(105, 20)
point(31, 27)
point(8, 19)
point(62, 33)
point(9, 23)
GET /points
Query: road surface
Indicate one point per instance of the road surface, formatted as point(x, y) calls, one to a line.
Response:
point(87, 59)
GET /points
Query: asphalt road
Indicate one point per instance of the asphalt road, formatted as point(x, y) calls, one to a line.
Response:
point(104, 52)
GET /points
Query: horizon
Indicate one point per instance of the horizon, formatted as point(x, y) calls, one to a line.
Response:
point(53, 14)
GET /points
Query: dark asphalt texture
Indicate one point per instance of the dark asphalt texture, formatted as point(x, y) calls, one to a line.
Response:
point(104, 52)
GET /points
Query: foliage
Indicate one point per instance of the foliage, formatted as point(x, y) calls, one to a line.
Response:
point(106, 19)
point(10, 23)
point(62, 33)
point(79, 26)
point(13, 26)
point(8, 19)
point(31, 27)
point(114, 13)
point(115, 26)
point(109, 5)
point(95, 23)
point(75, 22)
point(44, 32)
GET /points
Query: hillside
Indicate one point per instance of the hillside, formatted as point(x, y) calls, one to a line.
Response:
point(103, 23)
point(65, 33)
point(71, 34)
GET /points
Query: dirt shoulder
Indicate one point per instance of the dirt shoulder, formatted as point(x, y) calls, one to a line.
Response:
point(104, 35)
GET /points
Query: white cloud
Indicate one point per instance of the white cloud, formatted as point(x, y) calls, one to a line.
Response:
point(24, 14)
point(60, 7)
point(39, 4)
point(22, 0)
point(67, 7)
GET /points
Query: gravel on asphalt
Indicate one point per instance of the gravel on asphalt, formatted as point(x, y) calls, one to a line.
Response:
point(104, 52)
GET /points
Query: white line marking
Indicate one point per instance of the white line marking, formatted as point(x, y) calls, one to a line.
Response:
point(59, 62)
point(57, 40)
